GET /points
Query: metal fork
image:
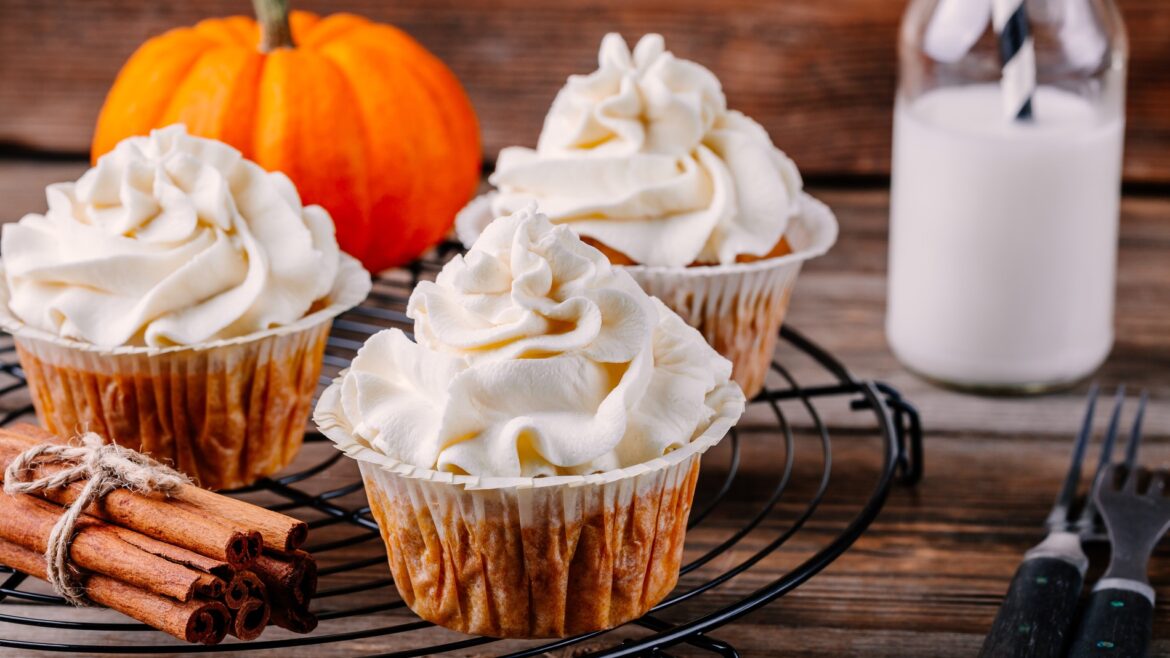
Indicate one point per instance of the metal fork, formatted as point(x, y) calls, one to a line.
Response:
point(1038, 612)
point(1135, 504)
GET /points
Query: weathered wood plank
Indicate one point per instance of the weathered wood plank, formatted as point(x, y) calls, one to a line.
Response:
point(819, 75)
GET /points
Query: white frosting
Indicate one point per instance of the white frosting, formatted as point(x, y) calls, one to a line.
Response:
point(644, 156)
point(170, 240)
point(534, 357)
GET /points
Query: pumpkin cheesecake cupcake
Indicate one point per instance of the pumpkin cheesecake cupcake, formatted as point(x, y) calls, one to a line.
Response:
point(176, 299)
point(531, 460)
point(643, 159)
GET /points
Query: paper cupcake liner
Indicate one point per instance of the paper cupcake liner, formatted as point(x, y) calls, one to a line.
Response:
point(532, 557)
point(226, 413)
point(739, 307)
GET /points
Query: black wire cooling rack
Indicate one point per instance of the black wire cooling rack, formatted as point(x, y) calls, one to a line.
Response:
point(777, 500)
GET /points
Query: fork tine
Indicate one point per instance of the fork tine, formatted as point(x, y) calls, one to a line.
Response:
point(1135, 432)
point(1111, 432)
point(1088, 515)
point(1068, 490)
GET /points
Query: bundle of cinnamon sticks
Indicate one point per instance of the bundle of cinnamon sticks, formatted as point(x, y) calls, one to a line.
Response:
point(194, 564)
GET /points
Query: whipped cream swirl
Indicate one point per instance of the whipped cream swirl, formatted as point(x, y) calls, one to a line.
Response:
point(169, 240)
point(644, 157)
point(534, 357)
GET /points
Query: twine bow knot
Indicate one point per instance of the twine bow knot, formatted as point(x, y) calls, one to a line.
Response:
point(106, 466)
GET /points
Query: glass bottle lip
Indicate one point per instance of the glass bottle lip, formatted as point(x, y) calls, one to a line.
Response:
point(1099, 78)
point(935, 31)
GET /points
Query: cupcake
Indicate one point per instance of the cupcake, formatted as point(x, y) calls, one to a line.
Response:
point(176, 299)
point(531, 460)
point(643, 160)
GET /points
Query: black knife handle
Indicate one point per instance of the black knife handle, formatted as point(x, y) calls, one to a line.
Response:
point(1036, 618)
point(1116, 623)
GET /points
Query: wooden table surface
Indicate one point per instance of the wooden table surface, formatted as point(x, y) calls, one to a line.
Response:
point(927, 577)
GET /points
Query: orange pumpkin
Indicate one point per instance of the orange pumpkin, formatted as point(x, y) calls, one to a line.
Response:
point(362, 118)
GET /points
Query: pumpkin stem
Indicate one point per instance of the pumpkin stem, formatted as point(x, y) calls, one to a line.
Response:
point(274, 28)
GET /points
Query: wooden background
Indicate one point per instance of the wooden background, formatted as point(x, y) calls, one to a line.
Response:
point(819, 74)
point(927, 578)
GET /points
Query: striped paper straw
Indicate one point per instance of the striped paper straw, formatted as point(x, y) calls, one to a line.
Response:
point(1018, 54)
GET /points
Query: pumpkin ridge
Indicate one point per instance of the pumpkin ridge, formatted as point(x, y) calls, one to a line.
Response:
point(223, 31)
point(439, 89)
point(300, 23)
point(237, 83)
point(247, 145)
point(311, 137)
point(443, 114)
point(411, 139)
point(125, 100)
point(246, 31)
point(179, 99)
point(450, 117)
point(329, 29)
point(367, 204)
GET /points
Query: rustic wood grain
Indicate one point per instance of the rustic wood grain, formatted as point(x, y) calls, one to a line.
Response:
point(819, 75)
point(926, 579)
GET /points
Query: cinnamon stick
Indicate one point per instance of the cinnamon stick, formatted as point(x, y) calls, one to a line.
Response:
point(234, 594)
point(254, 585)
point(176, 554)
point(291, 579)
point(279, 531)
point(245, 585)
point(294, 572)
point(151, 515)
point(98, 547)
point(249, 620)
point(291, 616)
point(31, 434)
point(248, 599)
point(195, 530)
point(197, 620)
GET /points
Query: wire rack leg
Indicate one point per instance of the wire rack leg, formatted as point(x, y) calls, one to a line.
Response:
point(907, 432)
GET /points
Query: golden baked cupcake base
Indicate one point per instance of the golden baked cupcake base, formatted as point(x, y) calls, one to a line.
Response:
point(470, 562)
point(224, 416)
point(533, 557)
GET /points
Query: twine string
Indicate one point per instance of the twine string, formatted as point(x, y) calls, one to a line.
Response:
point(106, 467)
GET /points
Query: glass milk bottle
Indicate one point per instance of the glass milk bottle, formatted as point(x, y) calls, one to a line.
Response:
point(1006, 181)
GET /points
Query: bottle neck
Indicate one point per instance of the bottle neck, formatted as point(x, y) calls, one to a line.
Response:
point(1080, 47)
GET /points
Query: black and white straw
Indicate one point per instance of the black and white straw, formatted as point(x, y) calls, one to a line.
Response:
point(1018, 54)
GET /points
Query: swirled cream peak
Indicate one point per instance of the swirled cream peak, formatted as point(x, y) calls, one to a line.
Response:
point(643, 156)
point(534, 356)
point(170, 239)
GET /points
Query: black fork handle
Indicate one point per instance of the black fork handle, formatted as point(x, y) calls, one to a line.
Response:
point(1037, 614)
point(1117, 622)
